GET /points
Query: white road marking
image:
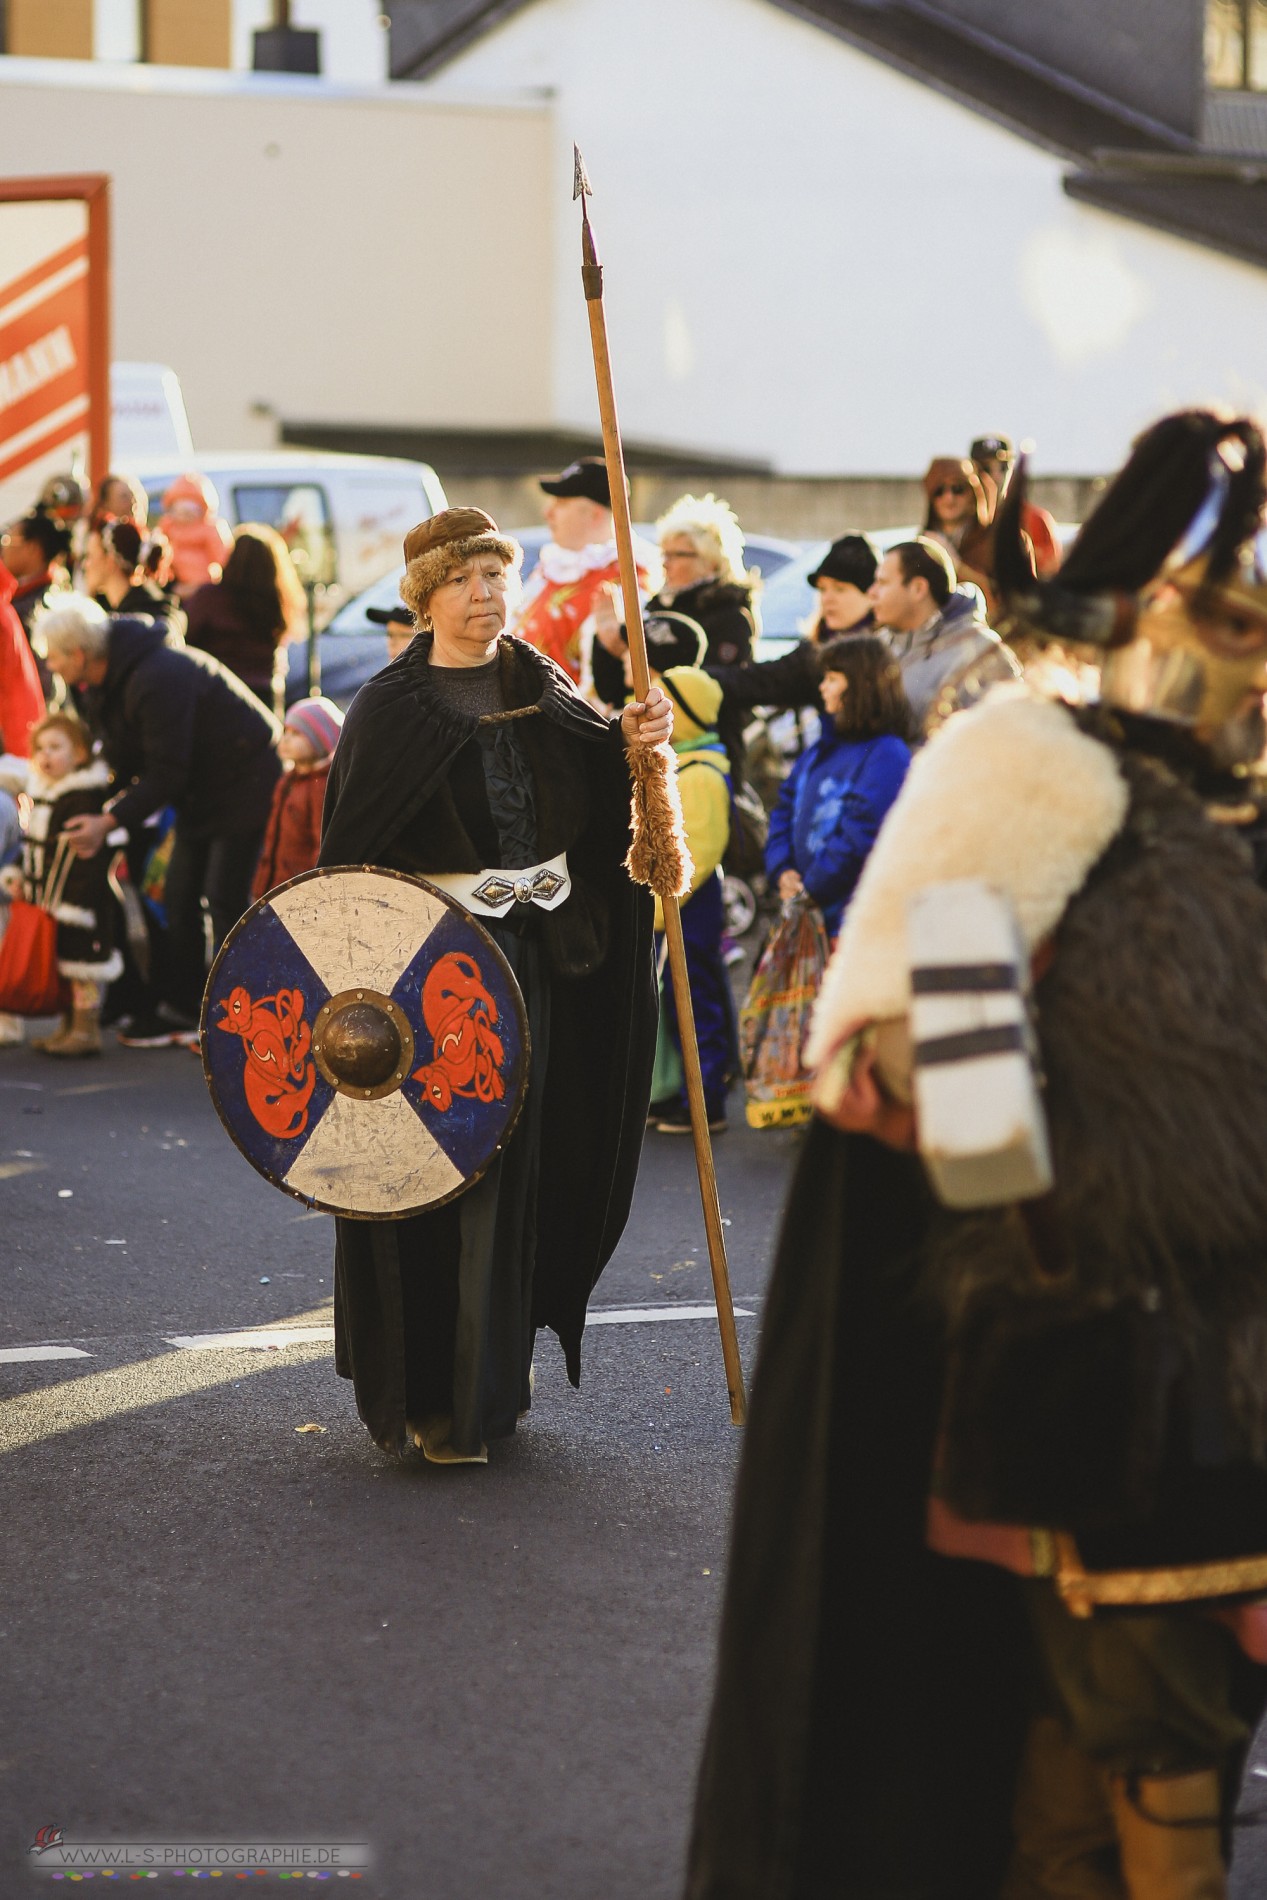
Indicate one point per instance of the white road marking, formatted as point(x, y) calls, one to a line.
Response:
point(11, 1355)
point(640, 1315)
point(279, 1339)
point(10, 1170)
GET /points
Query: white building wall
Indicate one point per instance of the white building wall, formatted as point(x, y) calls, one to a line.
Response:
point(302, 252)
point(815, 260)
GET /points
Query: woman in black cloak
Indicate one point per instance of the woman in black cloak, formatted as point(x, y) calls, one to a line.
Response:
point(472, 754)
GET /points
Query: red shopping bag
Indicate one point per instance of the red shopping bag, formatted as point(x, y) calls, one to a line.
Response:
point(30, 982)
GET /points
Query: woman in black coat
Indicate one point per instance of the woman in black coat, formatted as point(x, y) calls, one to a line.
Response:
point(705, 587)
point(842, 579)
point(247, 616)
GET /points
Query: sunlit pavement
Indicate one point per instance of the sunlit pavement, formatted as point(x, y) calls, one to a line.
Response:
point(221, 1624)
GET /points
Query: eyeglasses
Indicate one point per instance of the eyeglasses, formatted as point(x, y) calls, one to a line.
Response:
point(951, 488)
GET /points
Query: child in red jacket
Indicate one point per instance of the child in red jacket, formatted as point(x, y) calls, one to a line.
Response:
point(293, 837)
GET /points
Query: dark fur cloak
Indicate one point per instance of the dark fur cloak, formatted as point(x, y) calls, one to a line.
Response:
point(390, 802)
point(871, 1694)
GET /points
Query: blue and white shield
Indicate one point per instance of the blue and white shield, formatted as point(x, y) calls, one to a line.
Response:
point(365, 1042)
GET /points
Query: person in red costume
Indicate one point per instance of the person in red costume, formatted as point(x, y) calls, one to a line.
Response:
point(21, 695)
point(576, 569)
point(201, 541)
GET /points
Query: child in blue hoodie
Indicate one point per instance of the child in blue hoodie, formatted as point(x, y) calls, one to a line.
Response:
point(834, 799)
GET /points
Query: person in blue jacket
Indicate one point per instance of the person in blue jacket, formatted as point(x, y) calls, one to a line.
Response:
point(834, 799)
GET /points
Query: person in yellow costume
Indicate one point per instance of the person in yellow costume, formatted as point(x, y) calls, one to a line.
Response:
point(704, 783)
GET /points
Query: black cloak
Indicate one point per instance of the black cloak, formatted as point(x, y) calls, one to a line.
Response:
point(390, 802)
point(871, 1694)
point(870, 1699)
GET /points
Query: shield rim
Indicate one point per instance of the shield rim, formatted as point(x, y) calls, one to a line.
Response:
point(521, 1014)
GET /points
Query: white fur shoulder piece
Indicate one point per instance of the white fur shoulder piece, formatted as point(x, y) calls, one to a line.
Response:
point(1010, 791)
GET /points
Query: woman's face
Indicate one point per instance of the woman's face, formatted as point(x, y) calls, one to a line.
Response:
point(468, 611)
point(831, 690)
point(841, 604)
point(684, 565)
point(953, 502)
point(98, 565)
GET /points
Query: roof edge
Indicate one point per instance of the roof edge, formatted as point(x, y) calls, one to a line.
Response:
point(457, 39)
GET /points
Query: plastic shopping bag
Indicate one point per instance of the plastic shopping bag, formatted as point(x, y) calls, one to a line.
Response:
point(774, 1020)
point(30, 982)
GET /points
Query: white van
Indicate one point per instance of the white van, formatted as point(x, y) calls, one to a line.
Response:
point(343, 517)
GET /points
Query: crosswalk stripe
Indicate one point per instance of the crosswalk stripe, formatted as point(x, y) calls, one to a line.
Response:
point(278, 1339)
point(643, 1315)
point(11, 1355)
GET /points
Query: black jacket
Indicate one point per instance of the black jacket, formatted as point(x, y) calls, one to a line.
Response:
point(791, 680)
point(723, 610)
point(179, 729)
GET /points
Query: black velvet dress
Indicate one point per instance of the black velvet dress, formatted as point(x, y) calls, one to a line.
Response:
point(435, 1315)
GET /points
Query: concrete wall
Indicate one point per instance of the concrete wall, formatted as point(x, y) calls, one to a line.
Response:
point(293, 250)
point(816, 261)
point(1146, 53)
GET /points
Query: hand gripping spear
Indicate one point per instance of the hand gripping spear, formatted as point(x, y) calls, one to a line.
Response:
point(665, 871)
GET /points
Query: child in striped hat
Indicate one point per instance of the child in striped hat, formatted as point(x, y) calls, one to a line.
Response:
point(293, 837)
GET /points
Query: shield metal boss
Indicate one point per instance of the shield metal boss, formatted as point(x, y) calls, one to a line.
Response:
point(365, 1042)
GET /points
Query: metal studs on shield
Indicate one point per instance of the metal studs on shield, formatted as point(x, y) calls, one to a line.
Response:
point(365, 1042)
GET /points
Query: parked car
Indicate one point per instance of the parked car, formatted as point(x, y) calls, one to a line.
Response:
point(343, 517)
point(352, 646)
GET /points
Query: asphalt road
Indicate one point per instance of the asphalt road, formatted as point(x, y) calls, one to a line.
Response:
point(217, 1626)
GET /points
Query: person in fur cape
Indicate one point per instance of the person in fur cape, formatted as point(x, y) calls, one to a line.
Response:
point(474, 750)
point(1003, 1500)
point(64, 782)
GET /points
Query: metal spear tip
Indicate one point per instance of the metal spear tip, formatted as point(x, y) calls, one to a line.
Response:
point(581, 186)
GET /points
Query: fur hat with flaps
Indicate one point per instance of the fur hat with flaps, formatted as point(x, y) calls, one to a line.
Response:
point(436, 546)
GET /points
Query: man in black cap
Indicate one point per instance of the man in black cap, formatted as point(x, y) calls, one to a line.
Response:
point(576, 565)
point(842, 579)
point(398, 623)
point(995, 459)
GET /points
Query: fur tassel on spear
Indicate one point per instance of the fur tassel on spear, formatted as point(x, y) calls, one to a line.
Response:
point(658, 856)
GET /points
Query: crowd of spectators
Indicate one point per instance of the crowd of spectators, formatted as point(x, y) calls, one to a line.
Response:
point(142, 670)
point(144, 662)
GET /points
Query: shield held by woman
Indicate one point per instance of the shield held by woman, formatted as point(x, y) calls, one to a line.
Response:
point(365, 1042)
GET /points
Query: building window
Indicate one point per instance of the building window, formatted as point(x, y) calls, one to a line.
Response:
point(174, 33)
point(1236, 45)
point(49, 29)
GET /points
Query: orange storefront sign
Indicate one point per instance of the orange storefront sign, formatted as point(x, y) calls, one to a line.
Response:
point(54, 329)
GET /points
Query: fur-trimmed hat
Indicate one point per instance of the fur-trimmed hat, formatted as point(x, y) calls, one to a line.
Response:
point(443, 542)
point(320, 721)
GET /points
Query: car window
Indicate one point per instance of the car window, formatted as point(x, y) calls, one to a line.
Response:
point(352, 618)
point(300, 513)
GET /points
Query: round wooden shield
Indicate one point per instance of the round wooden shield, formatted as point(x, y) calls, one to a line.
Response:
point(365, 1042)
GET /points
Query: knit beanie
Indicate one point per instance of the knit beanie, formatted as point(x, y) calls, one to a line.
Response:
point(319, 720)
point(696, 700)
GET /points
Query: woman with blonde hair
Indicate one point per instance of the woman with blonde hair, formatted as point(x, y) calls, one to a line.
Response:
point(247, 617)
point(703, 614)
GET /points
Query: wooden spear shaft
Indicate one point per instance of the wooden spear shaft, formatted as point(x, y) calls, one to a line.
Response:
point(592, 278)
